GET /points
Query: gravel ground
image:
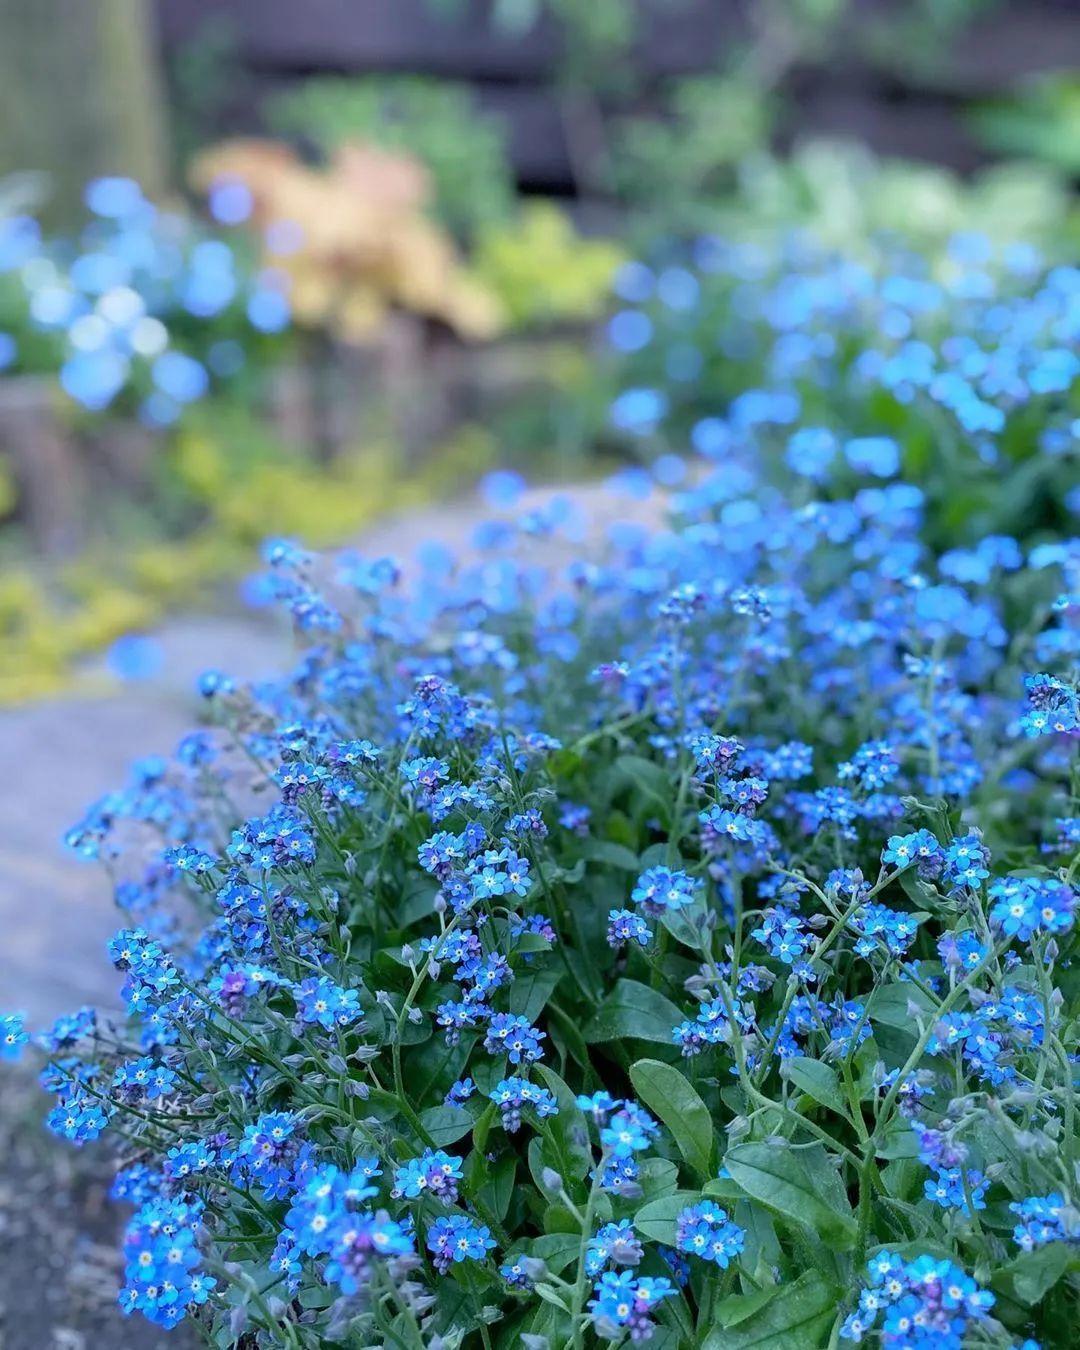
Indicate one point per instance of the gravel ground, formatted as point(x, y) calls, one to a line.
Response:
point(60, 1265)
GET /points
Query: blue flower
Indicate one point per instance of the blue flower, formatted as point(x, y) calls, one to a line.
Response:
point(320, 1001)
point(456, 1239)
point(705, 1230)
point(625, 926)
point(434, 1173)
point(1044, 1219)
point(622, 1300)
point(514, 1037)
point(12, 1035)
point(1024, 906)
point(951, 1187)
point(660, 889)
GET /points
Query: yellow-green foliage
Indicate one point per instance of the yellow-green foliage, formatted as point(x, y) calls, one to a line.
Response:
point(542, 270)
point(49, 624)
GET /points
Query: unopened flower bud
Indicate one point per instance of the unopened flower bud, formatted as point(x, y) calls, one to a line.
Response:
point(551, 1180)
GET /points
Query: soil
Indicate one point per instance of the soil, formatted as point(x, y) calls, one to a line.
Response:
point(60, 1265)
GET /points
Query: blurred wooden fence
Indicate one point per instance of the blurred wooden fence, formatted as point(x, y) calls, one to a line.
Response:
point(899, 109)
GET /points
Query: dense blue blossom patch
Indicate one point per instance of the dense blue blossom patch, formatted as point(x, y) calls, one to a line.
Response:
point(144, 310)
point(953, 367)
point(673, 943)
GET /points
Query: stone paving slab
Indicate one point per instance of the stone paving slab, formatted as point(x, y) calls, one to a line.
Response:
point(56, 757)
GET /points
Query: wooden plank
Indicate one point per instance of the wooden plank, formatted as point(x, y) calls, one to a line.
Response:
point(915, 128)
point(897, 107)
point(45, 461)
point(365, 35)
point(405, 35)
point(1010, 45)
point(534, 133)
point(679, 36)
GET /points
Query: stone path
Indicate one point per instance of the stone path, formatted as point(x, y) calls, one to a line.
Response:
point(59, 755)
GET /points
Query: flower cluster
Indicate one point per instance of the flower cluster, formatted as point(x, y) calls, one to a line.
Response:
point(162, 1262)
point(583, 941)
point(622, 1302)
point(1043, 1219)
point(143, 309)
point(327, 1220)
point(922, 1303)
point(705, 1230)
point(977, 340)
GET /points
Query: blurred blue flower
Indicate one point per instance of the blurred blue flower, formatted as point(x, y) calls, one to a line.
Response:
point(230, 201)
point(638, 410)
point(877, 455)
point(179, 376)
point(268, 310)
point(135, 657)
point(634, 282)
point(629, 330)
point(502, 488)
point(94, 378)
point(113, 198)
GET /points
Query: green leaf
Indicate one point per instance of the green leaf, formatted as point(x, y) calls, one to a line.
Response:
point(891, 1004)
point(647, 778)
point(446, 1124)
point(677, 1323)
point(656, 1220)
point(551, 1295)
point(667, 1092)
point(529, 943)
point(531, 991)
point(453, 1307)
point(903, 1179)
point(497, 1191)
point(798, 1184)
point(569, 1153)
point(737, 1308)
point(564, 1025)
point(547, 1321)
point(563, 763)
point(657, 1177)
point(483, 1126)
point(1032, 1274)
point(633, 1009)
point(796, 1316)
point(557, 1249)
point(589, 979)
point(818, 1081)
point(615, 855)
point(899, 1142)
point(723, 1188)
point(762, 1252)
point(684, 925)
point(417, 903)
point(558, 1220)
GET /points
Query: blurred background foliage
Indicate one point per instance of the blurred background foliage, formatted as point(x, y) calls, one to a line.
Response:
point(434, 121)
point(341, 294)
point(1039, 121)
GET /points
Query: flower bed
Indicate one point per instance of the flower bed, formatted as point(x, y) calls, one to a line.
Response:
point(669, 942)
point(959, 357)
point(667, 938)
